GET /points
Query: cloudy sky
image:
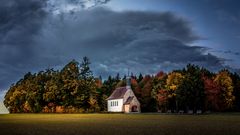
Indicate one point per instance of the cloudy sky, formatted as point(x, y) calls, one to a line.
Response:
point(143, 35)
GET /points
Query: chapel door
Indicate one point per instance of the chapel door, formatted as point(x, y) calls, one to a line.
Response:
point(134, 108)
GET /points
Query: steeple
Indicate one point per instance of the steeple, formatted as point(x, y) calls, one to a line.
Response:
point(128, 81)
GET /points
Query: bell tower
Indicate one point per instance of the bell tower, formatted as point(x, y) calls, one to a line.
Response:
point(128, 81)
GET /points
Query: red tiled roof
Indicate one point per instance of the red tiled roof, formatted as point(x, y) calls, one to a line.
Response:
point(118, 93)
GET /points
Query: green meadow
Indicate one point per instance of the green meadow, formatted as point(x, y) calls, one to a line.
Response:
point(119, 124)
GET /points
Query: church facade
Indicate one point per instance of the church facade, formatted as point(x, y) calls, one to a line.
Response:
point(123, 100)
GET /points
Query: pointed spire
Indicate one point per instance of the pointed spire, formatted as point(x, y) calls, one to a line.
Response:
point(128, 81)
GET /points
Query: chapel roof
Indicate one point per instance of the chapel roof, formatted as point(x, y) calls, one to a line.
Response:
point(118, 93)
point(129, 100)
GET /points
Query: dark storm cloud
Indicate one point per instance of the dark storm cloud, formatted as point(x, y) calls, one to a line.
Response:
point(227, 52)
point(115, 41)
point(20, 20)
point(146, 42)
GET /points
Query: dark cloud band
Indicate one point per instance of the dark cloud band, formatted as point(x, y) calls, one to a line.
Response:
point(32, 39)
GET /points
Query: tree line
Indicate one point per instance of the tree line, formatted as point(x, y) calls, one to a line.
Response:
point(74, 89)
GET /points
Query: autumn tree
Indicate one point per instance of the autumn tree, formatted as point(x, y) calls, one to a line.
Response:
point(70, 83)
point(213, 92)
point(148, 103)
point(159, 92)
point(52, 90)
point(173, 81)
point(224, 81)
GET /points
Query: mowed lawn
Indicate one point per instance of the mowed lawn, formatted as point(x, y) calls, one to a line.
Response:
point(119, 124)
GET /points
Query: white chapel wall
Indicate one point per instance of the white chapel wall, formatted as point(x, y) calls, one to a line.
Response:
point(115, 108)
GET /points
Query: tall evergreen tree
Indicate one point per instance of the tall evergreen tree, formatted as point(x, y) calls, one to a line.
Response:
point(70, 84)
point(87, 87)
point(85, 72)
point(190, 94)
point(236, 90)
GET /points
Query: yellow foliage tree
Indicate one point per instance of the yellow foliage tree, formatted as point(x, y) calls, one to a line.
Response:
point(224, 80)
point(174, 79)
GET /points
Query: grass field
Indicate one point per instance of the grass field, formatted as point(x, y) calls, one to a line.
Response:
point(119, 124)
